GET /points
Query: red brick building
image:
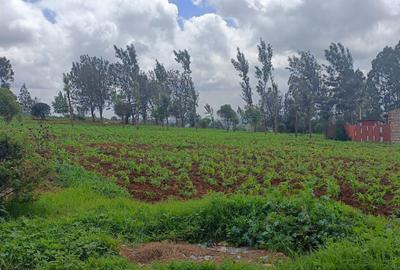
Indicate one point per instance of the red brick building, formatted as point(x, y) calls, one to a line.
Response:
point(369, 131)
point(376, 131)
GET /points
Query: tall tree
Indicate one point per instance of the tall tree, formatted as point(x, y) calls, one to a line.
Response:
point(25, 100)
point(60, 104)
point(93, 83)
point(264, 75)
point(291, 112)
point(274, 105)
point(161, 97)
point(122, 109)
point(252, 116)
point(209, 111)
point(105, 85)
point(9, 106)
point(305, 83)
point(6, 73)
point(229, 116)
point(190, 95)
point(40, 110)
point(68, 94)
point(384, 81)
point(344, 83)
point(144, 96)
point(178, 97)
point(126, 76)
point(242, 66)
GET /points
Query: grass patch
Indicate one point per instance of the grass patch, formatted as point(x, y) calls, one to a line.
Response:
point(82, 226)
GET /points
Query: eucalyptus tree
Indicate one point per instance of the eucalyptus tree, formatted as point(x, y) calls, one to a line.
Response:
point(6, 73)
point(274, 105)
point(264, 76)
point(187, 86)
point(92, 82)
point(346, 85)
point(291, 110)
point(209, 111)
point(68, 90)
point(9, 106)
point(241, 65)
point(162, 95)
point(122, 109)
point(305, 84)
point(60, 104)
point(384, 80)
point(143, 97)
point(229, 116)
point(25, 99)
point(179, 99)
point(126, 76)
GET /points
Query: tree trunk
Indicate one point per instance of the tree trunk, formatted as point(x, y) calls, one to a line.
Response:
point(92, 113)
point(295, 124)
point(276, 123)
point(101, 113)
point(71, 111)
point(144, 116)
point(309, 126)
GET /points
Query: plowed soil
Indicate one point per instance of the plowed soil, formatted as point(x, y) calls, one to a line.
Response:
point(170, 251)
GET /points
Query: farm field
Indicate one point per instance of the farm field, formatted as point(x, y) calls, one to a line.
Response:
point(156, 164)
point(118, 191)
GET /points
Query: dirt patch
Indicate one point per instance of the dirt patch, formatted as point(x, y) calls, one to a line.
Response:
point(171, 251)
point(109, 163)
point(151, 193)
point(276, 182)
point(320, 191)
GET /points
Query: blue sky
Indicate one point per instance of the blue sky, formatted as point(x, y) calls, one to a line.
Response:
point(188, 10)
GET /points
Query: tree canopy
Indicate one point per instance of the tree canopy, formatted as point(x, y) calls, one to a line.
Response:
point(6, 73)
point(9, 106)
point(40, 110)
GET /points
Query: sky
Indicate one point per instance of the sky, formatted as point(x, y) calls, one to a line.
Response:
point(43, 37)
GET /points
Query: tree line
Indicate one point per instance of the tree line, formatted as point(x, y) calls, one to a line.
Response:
point(10, 105)
point(95, 85)
point(317, 94)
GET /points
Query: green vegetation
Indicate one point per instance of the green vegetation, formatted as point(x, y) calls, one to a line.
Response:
point(187, 163)
point(83, 215)
point(8, 105)
point(40, 110)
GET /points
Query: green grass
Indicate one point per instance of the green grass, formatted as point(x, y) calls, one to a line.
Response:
point(363, 175)
point(82, 226)
point(85, 217)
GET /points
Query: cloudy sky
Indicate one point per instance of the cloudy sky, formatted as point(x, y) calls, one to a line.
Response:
point(43, 37)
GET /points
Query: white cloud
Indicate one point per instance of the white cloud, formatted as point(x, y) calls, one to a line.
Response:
point(41, 51)
point(198, 2)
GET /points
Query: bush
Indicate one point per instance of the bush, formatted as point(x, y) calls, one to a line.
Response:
point(40, 110)
point(9, 106)
point(82, 226)
point(21, 169)
point(204, 123)
point(298, 224)
point(11, 155)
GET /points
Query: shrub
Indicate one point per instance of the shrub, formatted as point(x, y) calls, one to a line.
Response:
point(10, 161)
point(40, 110)
point(21, 169)
point(8, 105)
point(298, 224)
